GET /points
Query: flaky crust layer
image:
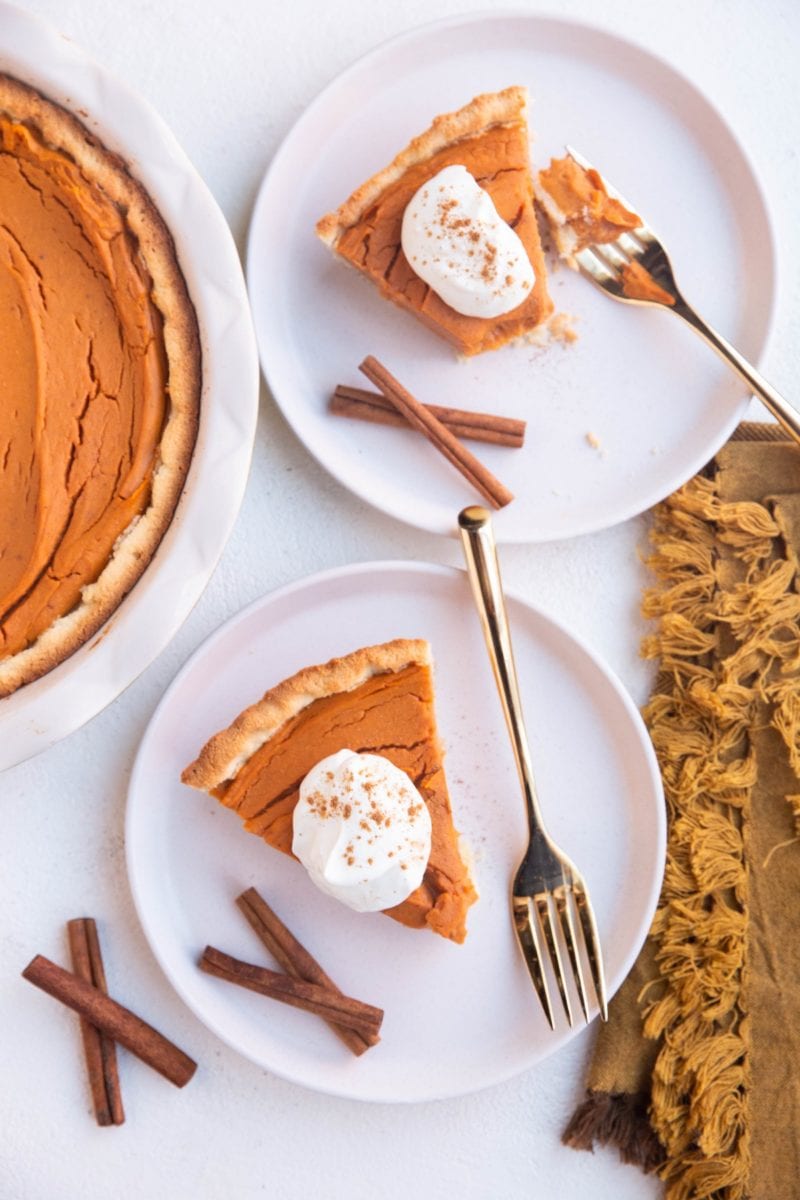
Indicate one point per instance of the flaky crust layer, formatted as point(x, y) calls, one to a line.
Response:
point(135, 548)
point(483, 112)
point(227, 752)
point(566, 239)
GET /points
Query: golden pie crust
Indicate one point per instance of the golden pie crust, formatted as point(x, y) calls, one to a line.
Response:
point(100, 368)
point(378, 699)
point(489, 136)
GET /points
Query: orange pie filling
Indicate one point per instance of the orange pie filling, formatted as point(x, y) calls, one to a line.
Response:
point(638, 284)
point(389, 714)
point(83, 376)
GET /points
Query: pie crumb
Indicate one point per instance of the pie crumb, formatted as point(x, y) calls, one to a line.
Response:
point(594, 441)
point(561, 328)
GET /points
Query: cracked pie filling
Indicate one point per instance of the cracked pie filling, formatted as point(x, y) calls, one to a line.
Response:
point(375, 701)
point(99, 378)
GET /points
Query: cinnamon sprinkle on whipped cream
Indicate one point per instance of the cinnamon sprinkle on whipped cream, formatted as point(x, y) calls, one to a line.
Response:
point(362, 830)
point(457, 242)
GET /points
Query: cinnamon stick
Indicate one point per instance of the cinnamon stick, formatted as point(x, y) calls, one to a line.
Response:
point(453, 450)
point(113, 1019)
point(295, 960)
point(99, 1049)
point(312, 997)
point(365, 405)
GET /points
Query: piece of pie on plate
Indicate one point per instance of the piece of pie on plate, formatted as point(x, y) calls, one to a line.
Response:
point(100, 372)
point(488, 137)
point(377, 700)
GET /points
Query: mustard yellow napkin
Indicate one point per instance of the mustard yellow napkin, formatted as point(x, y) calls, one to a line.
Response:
point(697, 1074)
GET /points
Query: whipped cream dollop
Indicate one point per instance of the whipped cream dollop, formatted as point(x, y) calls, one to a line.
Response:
point(455, 239)
point(362, 830)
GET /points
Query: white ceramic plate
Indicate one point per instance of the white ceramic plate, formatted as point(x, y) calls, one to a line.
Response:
point(52, 707)
point(638, 382)
point(457, 1017)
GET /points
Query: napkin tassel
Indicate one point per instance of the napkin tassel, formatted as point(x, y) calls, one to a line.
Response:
point(727, 641)
point(619, 1120)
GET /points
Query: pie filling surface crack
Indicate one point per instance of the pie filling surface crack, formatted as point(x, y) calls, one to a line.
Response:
point(100, 373)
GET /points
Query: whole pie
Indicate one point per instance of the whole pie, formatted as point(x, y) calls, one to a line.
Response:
point(100, 381)
point(376, 700)
point(489, 136)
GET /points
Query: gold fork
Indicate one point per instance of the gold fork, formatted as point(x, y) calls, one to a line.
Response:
point(546, 880)
point(604, 262)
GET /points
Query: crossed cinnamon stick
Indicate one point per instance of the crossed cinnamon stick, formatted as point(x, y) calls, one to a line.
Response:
point(296, 960)
point(424, 419)
point(304, 985)
point(105, 1021)
point(364, 405)
point(99, 1049)
point(299, 993)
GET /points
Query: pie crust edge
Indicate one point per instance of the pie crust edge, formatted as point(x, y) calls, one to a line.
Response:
point(226, 752)
point(483, 112)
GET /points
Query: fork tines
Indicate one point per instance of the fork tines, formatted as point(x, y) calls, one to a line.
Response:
point(537, 932)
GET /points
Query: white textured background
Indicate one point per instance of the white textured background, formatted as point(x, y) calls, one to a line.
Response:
point(230, 78)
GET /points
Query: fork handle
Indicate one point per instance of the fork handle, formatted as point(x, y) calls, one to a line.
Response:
point(477, 537)
point(781, 409)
